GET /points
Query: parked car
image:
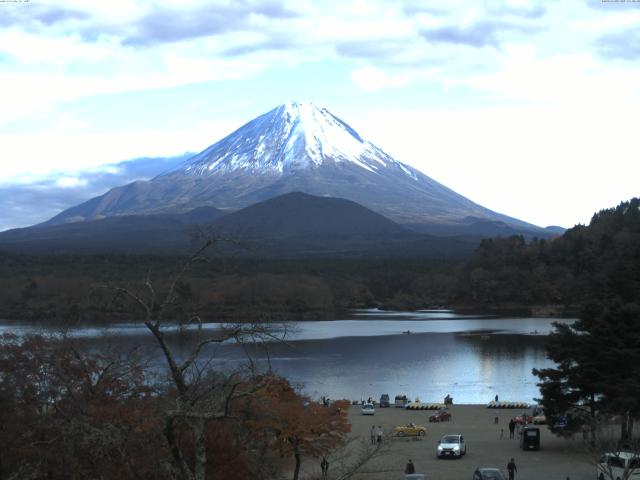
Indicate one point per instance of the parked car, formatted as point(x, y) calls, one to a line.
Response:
point(440, 416)
point(451, 446)
point(530, 438)
point(615, 465)
point(488, 473)
point(384, 400)
point(401, 401)
point(523, 419)
point(561, 422)
point(368, 409)
point(410, 430)
point(540, 419)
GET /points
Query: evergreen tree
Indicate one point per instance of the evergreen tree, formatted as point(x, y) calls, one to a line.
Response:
point(597, 372)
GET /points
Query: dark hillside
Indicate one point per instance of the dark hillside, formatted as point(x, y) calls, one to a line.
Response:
point(595, 262)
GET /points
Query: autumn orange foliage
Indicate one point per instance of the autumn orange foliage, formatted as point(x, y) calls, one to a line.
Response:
point(68, 414)
point(293, 425)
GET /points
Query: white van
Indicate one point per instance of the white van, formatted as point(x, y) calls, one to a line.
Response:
point(619, 466)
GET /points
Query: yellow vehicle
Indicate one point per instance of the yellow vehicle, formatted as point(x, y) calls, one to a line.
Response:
point(410, 430)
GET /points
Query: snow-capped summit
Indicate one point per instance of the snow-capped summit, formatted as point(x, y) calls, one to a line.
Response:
point(296, 147)
point(293, 136)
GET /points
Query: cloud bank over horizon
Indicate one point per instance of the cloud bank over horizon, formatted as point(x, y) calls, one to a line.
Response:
point(36, 199)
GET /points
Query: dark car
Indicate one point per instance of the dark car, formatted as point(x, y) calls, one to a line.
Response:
point(530, 438)
point(384, 400)
point(488, 473)
point(440, 416)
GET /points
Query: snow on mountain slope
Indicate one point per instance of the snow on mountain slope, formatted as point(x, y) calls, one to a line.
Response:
point(296, 147)
point(290, 137)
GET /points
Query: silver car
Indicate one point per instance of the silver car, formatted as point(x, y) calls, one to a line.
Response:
point(451, 446)
point(488, 473)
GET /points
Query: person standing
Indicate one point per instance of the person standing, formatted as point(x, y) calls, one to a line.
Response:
point(379, 432)
point(512, 428)
point(373, 434)
point(410, 468)
point(496, 398)
point(324, 466)
point(512, 469)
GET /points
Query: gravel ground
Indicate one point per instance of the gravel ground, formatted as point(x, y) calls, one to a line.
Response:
point(557, 458)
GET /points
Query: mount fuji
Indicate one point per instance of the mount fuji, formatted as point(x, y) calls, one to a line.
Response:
point(297, 147)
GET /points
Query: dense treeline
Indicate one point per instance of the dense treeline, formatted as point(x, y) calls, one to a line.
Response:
point(587, 262)
point(71, 287)
point(594, 262)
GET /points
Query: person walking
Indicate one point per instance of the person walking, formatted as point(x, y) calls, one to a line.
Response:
point(373, 434)
point(379, 434)
point(512, 428)
point(512, 469)
point(502, 434)
point(324, 466)
point(410, 468)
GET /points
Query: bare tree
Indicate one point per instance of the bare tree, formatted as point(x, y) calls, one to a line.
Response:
point(199, 398)
point(612, 459)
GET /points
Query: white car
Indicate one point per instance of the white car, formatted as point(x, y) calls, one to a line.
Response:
point(451, 446)
point(614, 466)
point(367, 409)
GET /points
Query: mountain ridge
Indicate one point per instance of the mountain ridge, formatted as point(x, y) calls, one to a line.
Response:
point(294, 147)
point(294, 225)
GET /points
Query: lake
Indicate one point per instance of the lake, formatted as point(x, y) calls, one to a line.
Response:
point(470, 357)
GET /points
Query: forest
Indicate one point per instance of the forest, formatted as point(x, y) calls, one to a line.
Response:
point(596, 262)
point(504, 273)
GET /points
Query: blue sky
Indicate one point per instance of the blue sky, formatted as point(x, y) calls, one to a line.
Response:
point(529, 108)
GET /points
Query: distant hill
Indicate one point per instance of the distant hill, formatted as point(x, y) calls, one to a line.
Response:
point(474, 228)
point(300, 215)
point(160, 233)
point(596, 262)
point(291, 225)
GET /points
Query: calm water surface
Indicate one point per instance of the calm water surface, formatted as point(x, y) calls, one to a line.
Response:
point(473, 358)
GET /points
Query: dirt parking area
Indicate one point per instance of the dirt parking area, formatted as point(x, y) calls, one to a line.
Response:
point(556, 460)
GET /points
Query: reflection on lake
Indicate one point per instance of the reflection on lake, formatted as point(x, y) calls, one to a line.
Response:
point(473, 358)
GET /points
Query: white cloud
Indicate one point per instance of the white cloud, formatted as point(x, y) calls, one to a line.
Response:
point(79, 151)
point(70, 182)
point(372, 78)
point(542, 164)
point(576, 79)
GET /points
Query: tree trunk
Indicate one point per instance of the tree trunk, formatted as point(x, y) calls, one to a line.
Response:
point(625, 429)
point(183, 469)
point(592, 423)
point(296, 455)
point(200, 441)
